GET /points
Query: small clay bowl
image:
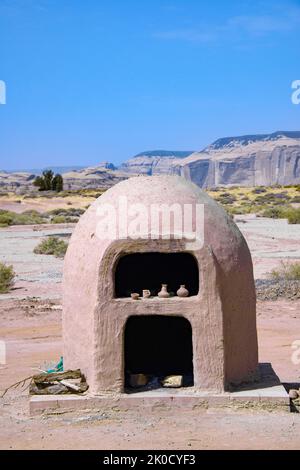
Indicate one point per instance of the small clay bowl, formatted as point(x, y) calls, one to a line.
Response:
point(135, 296)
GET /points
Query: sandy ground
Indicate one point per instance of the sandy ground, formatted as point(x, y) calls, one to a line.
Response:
point(270, 241)
point(43, 204)
point(37, 275)
point(30, 325)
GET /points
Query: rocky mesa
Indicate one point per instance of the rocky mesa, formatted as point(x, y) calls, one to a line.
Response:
point(154, 162)
point(252, 160)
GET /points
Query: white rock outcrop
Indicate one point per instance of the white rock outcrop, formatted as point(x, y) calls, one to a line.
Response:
point(261, 160)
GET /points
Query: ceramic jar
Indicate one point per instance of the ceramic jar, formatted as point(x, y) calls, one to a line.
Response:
point(164, 294)
point(182, 291)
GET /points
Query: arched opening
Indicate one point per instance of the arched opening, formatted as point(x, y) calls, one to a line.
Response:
point(158, 346)
point(138, 271)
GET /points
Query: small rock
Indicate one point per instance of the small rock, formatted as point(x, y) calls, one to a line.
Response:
point(293, 394)
point(172, 381)
point(138, 380)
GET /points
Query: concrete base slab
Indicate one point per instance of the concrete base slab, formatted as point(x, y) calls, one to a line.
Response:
point(268, 394)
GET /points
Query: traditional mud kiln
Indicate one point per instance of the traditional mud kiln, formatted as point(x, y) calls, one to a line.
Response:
point(209, 337)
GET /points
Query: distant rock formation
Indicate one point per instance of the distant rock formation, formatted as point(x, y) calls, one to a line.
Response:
point(103, 176)
point(153, 162)
point(252, 160)
point(15, 181)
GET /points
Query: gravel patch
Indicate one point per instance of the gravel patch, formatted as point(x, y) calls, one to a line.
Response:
point(269, 289)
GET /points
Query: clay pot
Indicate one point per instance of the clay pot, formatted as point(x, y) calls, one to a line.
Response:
point(135, 296)
point(138, 380)
point(146, 294)
point(164, 294)
point(182, 291)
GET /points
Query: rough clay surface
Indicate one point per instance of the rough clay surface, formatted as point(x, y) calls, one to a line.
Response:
point(222, 315)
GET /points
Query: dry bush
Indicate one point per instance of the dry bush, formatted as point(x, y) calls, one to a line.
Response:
point(51, 246)
point(287, 271)
point(7, 276)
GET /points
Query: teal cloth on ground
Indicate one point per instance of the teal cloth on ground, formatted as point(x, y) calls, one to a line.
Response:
point(58, 368)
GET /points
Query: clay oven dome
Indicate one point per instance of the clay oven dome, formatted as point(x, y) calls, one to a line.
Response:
point(101, 271)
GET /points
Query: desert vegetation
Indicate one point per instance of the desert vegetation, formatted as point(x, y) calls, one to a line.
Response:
point(63, 216)
point(274, 202)
point(68, 194)
point(282, 282)
point(290, 213)
point(286, 271)
point(49, 182)
point(51, 246)
point(32, 217)
point(7, 276)
point(25, 218)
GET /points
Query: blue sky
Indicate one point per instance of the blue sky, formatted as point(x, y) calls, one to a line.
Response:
point(106, 79)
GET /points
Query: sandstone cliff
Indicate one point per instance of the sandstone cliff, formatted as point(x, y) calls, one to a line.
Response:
point(154, 162)
point(258, 160)
point(103, 176)
point(253, 160)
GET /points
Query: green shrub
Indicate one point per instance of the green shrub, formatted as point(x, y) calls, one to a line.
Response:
point(287, 271)
point(58, 219)
point(7, 276)
point(5, 220)
point(226, 198)
point(28, 219)
point(25, 218)
point(51, 246)
point(283, 212)
point(272, 198)
point(72, 212)
point(274, 213)
point(293, 216)
point(48, 182)
point(31, 217)
point(61, 219)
